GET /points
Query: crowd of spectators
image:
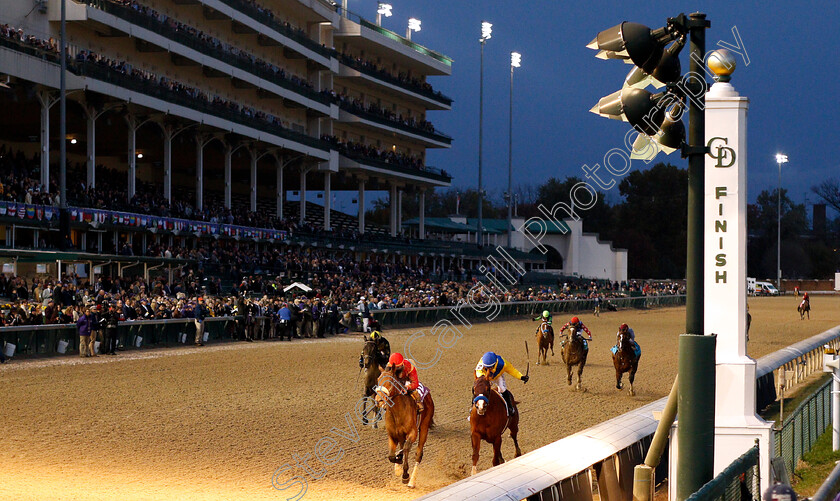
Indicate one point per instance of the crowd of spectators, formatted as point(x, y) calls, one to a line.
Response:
point(403, 78)
point(355, 150)
point(353, 104)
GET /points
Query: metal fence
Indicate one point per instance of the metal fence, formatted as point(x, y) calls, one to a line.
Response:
point(803, 427)
point(50, 339)
point(414, 316)
point(737, 482)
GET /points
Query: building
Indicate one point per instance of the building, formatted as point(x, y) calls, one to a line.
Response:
point(215, 107)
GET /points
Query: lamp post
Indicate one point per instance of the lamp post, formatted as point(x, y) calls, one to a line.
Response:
point(515, 62)
point(63, 216)
point(413, 25)
point(486, 32)
point(382, 9)
point(780, 159)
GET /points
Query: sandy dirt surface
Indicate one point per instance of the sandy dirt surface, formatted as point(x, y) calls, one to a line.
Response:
point(216, 422)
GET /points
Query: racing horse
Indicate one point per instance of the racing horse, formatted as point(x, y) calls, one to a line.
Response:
point(625, 359)
point(574, 352)
point(403, 423)
point(545, 340)
point(372, 365)
point(804, 308)
point(489, 420)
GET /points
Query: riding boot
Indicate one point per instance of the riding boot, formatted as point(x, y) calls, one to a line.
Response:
point(508, 396)
point(418, 400)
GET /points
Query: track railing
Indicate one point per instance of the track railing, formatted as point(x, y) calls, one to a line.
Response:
point(728, 485)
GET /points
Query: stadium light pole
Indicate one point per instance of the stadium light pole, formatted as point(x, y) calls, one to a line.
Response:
point(63, 216)
point(780, 159)
point(515, 62)
point(486, 32)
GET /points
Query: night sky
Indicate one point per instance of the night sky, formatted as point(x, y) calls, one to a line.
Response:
point(792, 80)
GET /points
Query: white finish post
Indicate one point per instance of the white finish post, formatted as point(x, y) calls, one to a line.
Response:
point(281, 194)
point(168, 133)
point(422, 226)
point(254, 157)
point(199, 172)
point(228, 175)
point(393, 204)
point(46, 102)
point(132, 155)
point(303, 171)
point(725, 301)
point(90, 111)
point(327, 200)
point(361, 201)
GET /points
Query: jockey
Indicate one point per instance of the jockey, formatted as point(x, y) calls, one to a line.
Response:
point(546, 317)
point(410, 373)
point(624, 328)
point(495, 367)
point(383, 349)
point(577, 324)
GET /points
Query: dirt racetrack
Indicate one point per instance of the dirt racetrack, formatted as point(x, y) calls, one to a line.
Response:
point(216, 422)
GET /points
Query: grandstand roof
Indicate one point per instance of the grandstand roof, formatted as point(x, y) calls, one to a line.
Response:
point(446, 225)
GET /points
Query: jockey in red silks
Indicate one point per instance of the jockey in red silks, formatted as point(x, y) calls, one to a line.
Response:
point(577, 324)
point(410, 373)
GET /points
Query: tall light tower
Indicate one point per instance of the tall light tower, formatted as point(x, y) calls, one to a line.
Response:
point(382, 9)
point(780, 159)
point(486, 32)
point(515, 62)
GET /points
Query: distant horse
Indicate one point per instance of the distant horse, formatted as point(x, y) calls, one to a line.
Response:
point(402, 422)
point(625, 359)
point(489, 420)
point(804, 308)
point(545, 340)
point(372, 369)
point(574, 352)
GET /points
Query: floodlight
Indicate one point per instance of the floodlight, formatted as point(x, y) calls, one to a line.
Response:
point(414, 24)
point(639, 107)
point(634, 43)
point(515, 59)
point(781, 158)
point(667, 71)
point(384, 9)
point(486, 30)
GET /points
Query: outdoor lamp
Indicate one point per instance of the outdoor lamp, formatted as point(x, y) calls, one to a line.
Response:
point(384, 9)
point(515, 59)
point(634, 43)
point(414, 24)
point(486, 30)
point(666, 71)
point(638, 107)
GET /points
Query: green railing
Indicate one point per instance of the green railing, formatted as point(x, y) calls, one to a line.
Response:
point(151, 88)
point(728, 484)
point(803, 427)
point(428, 316)
point(44, 339)
point(238, 61)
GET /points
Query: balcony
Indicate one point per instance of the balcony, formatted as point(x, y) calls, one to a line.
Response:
point(436, 96)
point(437, 176)
point(437, 139)
point(205, 47)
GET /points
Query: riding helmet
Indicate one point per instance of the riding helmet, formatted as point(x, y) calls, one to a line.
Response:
point(396, 359)
point(623, 327)
point(488, 359)
point(546, 314)
point(575, 320)
point(375, 335)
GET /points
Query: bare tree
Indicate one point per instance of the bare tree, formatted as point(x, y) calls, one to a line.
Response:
point(829, 191)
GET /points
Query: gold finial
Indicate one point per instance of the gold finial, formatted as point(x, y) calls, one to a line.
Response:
point(722, 64)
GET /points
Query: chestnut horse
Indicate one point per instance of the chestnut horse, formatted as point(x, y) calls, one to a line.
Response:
point(803, 308)
point(402, 422)
point(545, 340)
point(489, 420)
point(625, 360)
point(372, 369)
point(574, 352)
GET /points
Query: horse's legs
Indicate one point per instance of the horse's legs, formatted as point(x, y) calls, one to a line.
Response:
point(618, 376)
point(580, 374)
point(514, 432)
point(421, 443)
point(633, 369)
point(405, 461)
point(569, 373)
point(476, 445)
point(497, 451)
point(392, 453)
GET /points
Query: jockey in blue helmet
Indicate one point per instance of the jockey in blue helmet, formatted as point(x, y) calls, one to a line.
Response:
point(495, 367)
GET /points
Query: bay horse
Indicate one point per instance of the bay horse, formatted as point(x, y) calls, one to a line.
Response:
point(373, 369)
point(574, 352)
point(804, 308)
point(625, 359)
point(402, 422)
point(545, 340)
point(489, 420)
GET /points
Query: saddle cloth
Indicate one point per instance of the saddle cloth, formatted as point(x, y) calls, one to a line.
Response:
point(636, 349)
point(422, 391)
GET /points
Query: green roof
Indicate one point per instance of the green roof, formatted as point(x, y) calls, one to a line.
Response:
point(445, 224)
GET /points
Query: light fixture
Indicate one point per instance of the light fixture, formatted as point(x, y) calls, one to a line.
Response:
point(486, 30)
point(384, 9)
point(781, 158)
point(73, 141)
point(414, 24)
point(668, 69)
point(139, 155)
point(634, 43)
point(515, 59)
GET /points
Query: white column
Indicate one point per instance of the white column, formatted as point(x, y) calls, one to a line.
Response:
point(90, 111)
point(327, 200)
point(168, 132)
point(44, 99)
point(392, 199)
point(254, 155)
point(199, 172)
point(280, 193)
point(422, 227)
point(228, 186)
point(132, 154)
point(361, 201)
point(303, 171)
